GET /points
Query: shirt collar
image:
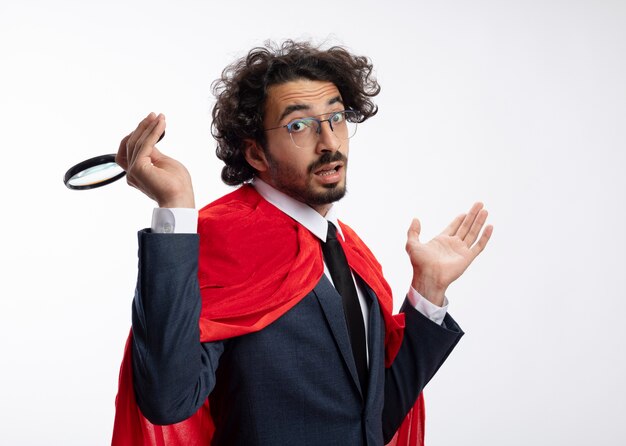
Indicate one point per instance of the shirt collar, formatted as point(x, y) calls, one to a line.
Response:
point(300, 212)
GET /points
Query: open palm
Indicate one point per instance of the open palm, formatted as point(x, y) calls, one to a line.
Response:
point(442, 260)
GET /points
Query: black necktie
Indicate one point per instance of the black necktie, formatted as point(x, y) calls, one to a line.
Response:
point(339, 270)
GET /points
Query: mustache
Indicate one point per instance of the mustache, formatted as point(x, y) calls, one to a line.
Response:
point(327, 158)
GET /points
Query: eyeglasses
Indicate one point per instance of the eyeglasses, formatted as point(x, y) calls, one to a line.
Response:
point(305, 132)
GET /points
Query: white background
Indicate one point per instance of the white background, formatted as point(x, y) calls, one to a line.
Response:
point(519, 104)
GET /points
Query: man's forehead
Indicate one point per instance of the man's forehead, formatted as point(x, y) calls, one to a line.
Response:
point(302, 94)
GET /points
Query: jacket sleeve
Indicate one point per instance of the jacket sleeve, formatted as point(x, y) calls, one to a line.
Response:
point(425, 347)
point(173, 372)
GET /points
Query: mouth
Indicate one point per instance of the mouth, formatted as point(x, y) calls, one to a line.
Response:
point(329, 169)
point(329, 173)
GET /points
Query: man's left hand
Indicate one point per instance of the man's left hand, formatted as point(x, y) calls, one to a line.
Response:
point(442, 260)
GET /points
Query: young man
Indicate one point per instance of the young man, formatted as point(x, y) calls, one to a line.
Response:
point(273, 324)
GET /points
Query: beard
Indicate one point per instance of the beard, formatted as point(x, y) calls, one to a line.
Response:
point(287, 180)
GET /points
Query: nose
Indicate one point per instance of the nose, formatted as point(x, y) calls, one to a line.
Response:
point(327, 140)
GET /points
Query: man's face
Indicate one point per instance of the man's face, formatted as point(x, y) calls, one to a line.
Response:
point(314, 174)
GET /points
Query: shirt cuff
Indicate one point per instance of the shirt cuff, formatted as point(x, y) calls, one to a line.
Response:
point(427, 308)
point(174, 221)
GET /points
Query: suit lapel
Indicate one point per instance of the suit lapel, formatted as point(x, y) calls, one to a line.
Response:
point(375, 342)
point(332, 306)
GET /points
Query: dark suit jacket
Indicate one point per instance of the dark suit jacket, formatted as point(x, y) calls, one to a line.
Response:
point(293, 382)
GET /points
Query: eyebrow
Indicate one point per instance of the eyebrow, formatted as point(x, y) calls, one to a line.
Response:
point(297, 107)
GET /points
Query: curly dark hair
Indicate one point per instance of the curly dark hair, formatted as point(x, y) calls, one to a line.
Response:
point(242, 90)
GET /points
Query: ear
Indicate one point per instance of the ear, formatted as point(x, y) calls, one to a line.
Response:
point(255, 156)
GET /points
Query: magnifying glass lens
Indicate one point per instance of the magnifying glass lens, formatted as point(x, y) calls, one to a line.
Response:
point(95, 175)
point(94, 172)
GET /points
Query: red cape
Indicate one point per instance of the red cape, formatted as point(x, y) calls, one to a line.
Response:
point(248, 244)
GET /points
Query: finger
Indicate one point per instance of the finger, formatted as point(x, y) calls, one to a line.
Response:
point(454, 225)
point(131, 142)
point(121, 158)
point(468, 220)
point(478, 224)
point(482, 242)
point(145, 145)
point(145, 122)
point(413, 234)
point(138, 141)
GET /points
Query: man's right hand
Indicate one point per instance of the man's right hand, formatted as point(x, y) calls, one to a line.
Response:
point(160, 177)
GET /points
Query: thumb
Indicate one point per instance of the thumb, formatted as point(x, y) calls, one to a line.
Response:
point(156, 155)
point(414, 230)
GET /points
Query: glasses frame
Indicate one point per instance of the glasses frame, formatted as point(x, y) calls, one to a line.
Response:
point(347, 114)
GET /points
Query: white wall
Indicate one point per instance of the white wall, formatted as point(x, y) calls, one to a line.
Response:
point(519, 104)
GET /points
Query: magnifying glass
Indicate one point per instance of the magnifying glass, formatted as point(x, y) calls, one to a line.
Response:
point(95, 172)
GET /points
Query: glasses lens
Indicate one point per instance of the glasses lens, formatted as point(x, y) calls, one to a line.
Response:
point(303, 132)
point(350, 120)
point(344, 124)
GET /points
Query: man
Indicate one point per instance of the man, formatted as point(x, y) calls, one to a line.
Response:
point(273, 326)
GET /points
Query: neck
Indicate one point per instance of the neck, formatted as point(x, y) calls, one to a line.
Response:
point(321, 209)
